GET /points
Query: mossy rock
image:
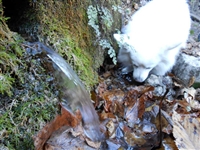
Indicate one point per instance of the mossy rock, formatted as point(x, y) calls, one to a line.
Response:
point(63, 25)
point(28, 96)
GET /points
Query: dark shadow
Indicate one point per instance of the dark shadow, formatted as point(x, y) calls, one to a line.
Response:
point(16, 11)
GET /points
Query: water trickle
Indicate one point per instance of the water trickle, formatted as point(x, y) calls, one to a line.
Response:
point(73, 93)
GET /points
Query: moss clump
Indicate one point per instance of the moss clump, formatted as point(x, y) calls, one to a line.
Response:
point(33, 105)
point(23, 119)
point(27, 95)
point(10, 53)
point(63, 26)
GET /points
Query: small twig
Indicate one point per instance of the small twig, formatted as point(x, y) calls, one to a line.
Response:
point(24, 45)
point(167, 117)
point(160, 106)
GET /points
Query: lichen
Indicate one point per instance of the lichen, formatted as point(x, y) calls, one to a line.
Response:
point(93, 19)
point(106, 17)
point(106, 21)
point(111, 52)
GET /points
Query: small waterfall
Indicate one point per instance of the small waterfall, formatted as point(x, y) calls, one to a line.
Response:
point(73, 93)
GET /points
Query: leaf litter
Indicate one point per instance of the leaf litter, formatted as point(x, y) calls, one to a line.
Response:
point(131, 116)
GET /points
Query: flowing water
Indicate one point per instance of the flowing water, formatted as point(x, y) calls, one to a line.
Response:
point(73, 93)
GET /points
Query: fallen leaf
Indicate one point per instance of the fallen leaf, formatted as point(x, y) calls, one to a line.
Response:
point(95, 145)
point(111, 97)
point(102, 87)
point(63, 119)
point(111, 129)
point(105, 115)
point(131, 115)
point(186, 129)
point(64, 139)
point(107, 74)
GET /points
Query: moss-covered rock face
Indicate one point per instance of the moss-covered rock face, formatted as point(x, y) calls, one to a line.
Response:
point(28, 96)
point(28, 99)
point(10, 53)
point(63, 25)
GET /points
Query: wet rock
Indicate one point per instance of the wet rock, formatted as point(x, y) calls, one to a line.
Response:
point(161, 84)
point(187, 67)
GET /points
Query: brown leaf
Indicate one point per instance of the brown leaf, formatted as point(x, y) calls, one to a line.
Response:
point(64, 139)
point(191, 81)
point(141, 94)
point(186, 129)
point(141, 107)
point(107, 74)
point(111, 129)
point(131, 115)
point(95, 145)
point(70, 138)
point(147, 90)
point(104, 116)
point(183, 105)
point(111, 97)
point(63, 119)
point(131, 98)
point(133, 139)
point(102, 87)
point(168, 143)
point(118, 109)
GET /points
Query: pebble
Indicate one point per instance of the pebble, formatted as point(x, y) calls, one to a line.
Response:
point(136, 6)
point(189, 46)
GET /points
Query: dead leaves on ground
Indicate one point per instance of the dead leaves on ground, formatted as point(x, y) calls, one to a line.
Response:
point(61, 120)
point(129, 118)
point(133, 113)
point(186, 119)
point(129, 115)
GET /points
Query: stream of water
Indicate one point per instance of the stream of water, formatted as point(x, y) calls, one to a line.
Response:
point(73, 93)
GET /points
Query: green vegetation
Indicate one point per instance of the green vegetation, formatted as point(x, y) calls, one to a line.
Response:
point(28, 95)
point(66, 30)
point(27, 100)
point(191, 32)
point(32, 104)
point(10, 53)
point(23, 119)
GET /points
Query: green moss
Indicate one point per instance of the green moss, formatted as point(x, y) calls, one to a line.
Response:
point(27, 100)
point(23, 120)
point(6, 84)
point(65, 28)
point(32, 100)
point(10, 53)
point(191, 32)
point(33, 105)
